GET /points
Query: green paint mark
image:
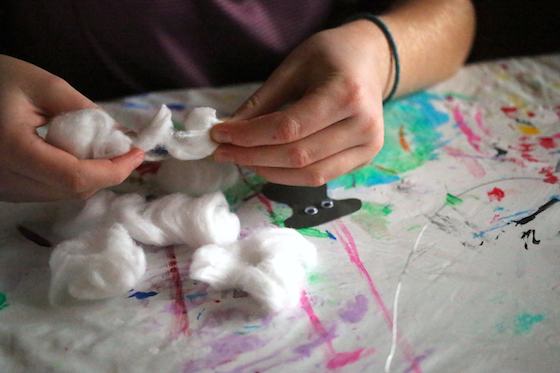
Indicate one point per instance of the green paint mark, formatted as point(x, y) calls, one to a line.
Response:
point(238, 192)
point(420, 118)
point(452, 200)
point(525, 321)
point(314, 278)
point(373, 218)
point(313, 232)
point(3, 301)
point(376, 209)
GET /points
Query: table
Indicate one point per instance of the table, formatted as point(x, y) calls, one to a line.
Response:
point(451, 265)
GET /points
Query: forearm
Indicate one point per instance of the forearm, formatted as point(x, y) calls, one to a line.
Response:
point(433, 39)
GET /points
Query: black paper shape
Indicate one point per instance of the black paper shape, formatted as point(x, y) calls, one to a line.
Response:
point(311, 206)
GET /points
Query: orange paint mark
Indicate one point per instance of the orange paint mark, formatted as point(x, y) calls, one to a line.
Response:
point(402, 140)
point(528, 129)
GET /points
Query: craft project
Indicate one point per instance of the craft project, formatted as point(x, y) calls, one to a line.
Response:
point(92, 133)
point(270, 265)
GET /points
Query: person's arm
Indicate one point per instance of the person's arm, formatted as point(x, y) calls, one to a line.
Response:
point(335, 82)
point(31, 169)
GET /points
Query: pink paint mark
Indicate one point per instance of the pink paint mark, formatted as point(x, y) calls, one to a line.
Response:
point(480, 123)
point(266, 202)
point(336, 359)
point(549, 176)
point(352, 251)
point(344, 358)
point(547, 142)
point(472, 165)
point(496, 194)
point(472, 138)
point(179, 306)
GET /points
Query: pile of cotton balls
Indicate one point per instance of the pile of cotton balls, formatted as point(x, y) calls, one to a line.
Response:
point(101, 255)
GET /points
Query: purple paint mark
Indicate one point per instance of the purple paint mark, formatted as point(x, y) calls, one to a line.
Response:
point(224, 350)
point(472, 138)
point(142, 294)
point(306, 349)
point(355, 310)
point(350, 246)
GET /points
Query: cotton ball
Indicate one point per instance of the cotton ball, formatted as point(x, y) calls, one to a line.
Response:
point(98, 264)
point(178, 219)
point(270, 265)
point(88, 134)
point(95, 212)
point(158, 132)
point(195, 177)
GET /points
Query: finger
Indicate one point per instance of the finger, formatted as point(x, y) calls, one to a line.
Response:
point(53, 95)
point(18, 188)
point(313, 112)
point(343, 135)
point(320, 172)
point(276, 91)
point(57, 168)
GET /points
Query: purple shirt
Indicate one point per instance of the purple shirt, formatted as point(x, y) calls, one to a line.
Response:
point(109, 48)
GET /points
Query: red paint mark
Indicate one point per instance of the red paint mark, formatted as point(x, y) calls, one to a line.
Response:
point(336, 359)
point(402, 140)
point(148, 168)
point(347, 240)
point(496, 194)
point(266, 202)
point(530, 114)
point(507, 110)
point(179, 306)
point(472, 137)
point(525, 149)
point(549, 176)
point(547, 142)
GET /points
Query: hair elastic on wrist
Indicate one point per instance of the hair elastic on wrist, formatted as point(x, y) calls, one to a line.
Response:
point(392, 46)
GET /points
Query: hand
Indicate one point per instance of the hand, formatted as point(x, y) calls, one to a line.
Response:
point(337, 79)
point(31, 169)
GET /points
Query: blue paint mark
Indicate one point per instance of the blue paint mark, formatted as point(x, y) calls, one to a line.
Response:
point(331, 236)
point(135, 105)
point(142, 294)
point(177, 106)
point(200, 314)
point(193, 296)
point(506, 221)
point(498, 208)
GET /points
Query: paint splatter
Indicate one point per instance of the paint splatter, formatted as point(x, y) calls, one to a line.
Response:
point(549, 176)
point(142, 295)
point(525, 322)
point(3, 301)
point(547, 142)
point(526, 236)
point(472, 138)
point(402, 140)
point(355, 310)
point(420, 119)
point(496, 194)
point(452, 200)
point(373, 218)
point(179, 307)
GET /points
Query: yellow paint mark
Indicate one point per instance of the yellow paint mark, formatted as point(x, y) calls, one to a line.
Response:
point(528, 129)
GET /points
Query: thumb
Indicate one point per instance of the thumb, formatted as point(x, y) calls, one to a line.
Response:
point(276, 91)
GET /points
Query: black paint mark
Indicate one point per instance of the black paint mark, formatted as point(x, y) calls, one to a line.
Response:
point(33, 237)
point(541, 209)
point(499, 151)
point(527, 235)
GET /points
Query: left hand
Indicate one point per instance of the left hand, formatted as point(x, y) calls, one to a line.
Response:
point(337, 79)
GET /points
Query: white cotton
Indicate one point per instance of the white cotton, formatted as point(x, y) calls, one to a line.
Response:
point(178, 219)
point(195, 177)
point(270, 265)
point(92, 133)
point(98, 264)
point(192, 141)
point(94, 213)
point(88, 134)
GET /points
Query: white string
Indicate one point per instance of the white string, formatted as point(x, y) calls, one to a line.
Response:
point(396, 302)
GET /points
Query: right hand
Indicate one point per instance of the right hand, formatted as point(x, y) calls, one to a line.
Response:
point(31, 169)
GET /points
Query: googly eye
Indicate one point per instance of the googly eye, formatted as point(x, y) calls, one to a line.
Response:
point(327, 204)
point(311, 210)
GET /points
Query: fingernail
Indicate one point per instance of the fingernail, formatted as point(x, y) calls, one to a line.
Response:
point(221, 135)
point(222, 156)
